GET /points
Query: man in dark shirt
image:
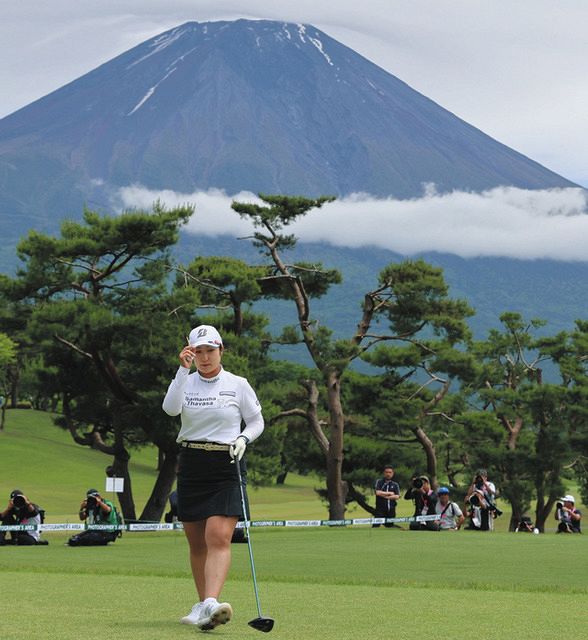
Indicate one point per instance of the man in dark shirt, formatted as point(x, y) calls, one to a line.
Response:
point(425, 502)
point(387, 492)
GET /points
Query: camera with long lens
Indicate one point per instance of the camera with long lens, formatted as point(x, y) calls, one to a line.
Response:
point(91, 502)
point(417, 483)
point(564, 525)
point(19, 501)
point(475, 501)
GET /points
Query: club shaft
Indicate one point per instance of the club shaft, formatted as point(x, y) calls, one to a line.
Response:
point(246, 516)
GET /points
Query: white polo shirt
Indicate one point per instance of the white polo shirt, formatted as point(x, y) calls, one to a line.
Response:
point(212, 408)
point(449, 518)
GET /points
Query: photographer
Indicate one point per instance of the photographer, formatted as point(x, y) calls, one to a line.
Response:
point(479, 501)
point(425, 501)
point(450, 515)
point(569, 517)
point(96, 510)
point(21, 511)
point(387, 493)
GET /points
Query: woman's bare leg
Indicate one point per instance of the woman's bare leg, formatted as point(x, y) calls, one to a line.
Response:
point(218, 534)
point(210, 553)
point(194, 532)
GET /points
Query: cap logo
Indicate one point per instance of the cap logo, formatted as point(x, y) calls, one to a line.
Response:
point(201, 333)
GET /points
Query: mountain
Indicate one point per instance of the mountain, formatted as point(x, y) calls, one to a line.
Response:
point(272, 107)
point(257, 105)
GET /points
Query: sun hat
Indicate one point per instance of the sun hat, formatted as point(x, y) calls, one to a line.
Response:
point(568, 498)
point(205, 335)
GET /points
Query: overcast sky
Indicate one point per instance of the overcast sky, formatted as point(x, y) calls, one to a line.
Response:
point(517, 70)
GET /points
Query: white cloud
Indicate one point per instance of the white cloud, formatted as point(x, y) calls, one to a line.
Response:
point(503, 222)
point(213, 216)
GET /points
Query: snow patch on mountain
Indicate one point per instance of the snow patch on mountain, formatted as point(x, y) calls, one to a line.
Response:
point(149, 93)
point(182, 57)
point(160, 43)
point(319, 45)
point(375, 88)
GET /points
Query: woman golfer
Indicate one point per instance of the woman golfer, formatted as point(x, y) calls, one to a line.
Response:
point(213, 404)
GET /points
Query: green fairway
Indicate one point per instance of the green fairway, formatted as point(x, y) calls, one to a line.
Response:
point(328, 583)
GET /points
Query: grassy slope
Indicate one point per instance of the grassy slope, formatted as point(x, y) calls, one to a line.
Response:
point(318, 583)
point(45, 463)
point(52, 470)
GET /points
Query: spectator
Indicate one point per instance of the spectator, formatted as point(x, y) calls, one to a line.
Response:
point(387, 493)
point(96, 510)
point(21, 511)
point(480, 502)
point(425, 500)
point(451, 516)
point(569, 517)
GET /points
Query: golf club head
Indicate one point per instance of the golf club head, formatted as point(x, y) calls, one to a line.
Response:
point(262, 624)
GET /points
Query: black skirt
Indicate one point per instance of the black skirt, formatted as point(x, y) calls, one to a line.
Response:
point(208, 485)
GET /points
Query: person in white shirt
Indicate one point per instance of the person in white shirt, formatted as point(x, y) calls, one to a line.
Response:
point(450, 515)
point(480, 501)
point(213, 404)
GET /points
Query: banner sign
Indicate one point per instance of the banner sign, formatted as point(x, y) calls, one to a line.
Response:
point(173, 526)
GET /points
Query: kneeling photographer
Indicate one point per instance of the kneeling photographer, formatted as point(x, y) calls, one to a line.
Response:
point(96, 510)
point(480, 502)
point(21, 511)
point(569, 517)
point(425, 501)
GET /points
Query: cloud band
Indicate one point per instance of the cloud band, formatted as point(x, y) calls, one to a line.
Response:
point(501, 222)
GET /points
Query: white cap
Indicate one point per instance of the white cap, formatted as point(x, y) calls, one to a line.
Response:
point(568, 498)
point(205, 335)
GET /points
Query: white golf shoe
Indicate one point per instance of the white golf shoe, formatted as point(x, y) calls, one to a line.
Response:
point(214, 613)
point(194, 615)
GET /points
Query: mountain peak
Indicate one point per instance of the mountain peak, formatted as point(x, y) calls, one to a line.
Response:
point(257, 37)
point(260, 105)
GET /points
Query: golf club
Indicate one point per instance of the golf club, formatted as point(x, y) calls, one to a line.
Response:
point(261, 623)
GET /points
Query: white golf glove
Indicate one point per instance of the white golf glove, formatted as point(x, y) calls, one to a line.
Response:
point(237, 448)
